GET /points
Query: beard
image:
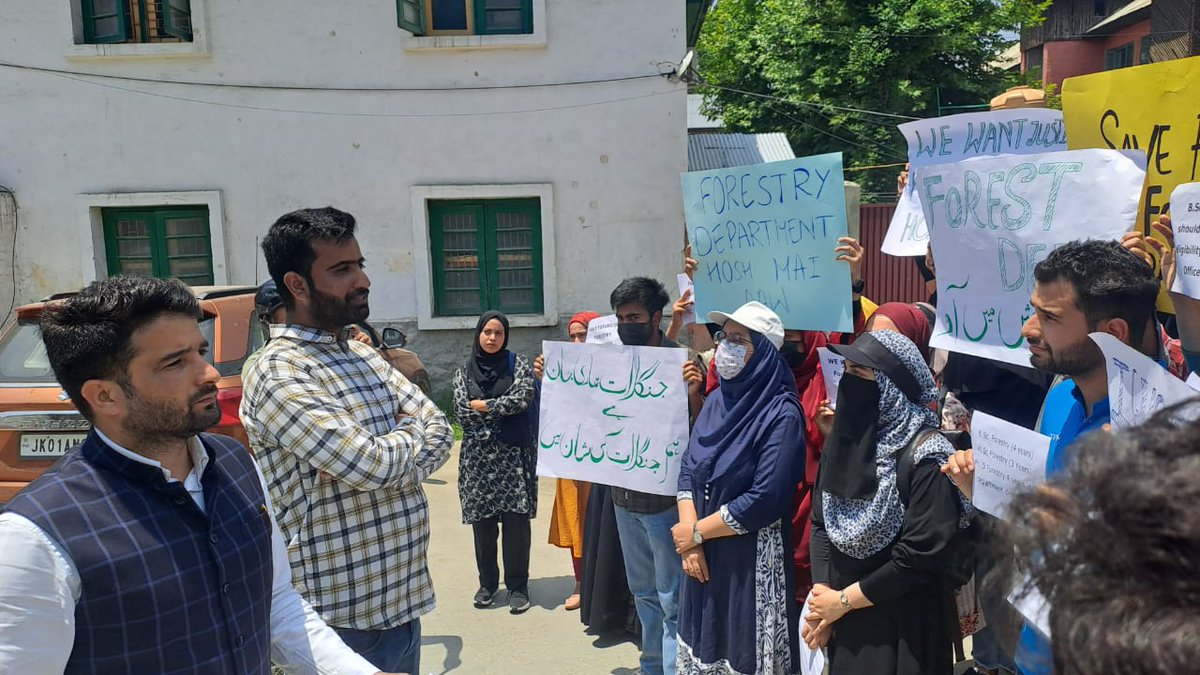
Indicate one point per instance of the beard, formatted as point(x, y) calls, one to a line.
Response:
point(333, 311)
point(1072, 360)
point(152, 419)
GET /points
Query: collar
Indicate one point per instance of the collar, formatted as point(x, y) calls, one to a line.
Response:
point(308, 333)
point(195, 449)
point(1099, 410)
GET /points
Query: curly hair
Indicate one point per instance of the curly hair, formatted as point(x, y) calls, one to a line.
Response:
point(1116, 545)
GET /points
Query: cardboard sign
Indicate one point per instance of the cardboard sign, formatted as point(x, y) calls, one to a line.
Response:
point(767, 232)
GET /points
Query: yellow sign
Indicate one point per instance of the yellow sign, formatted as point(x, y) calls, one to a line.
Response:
point(1153, 108)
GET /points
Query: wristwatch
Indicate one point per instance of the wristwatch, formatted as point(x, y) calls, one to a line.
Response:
point(859, 286)
point(697, 538)
point(845, 602)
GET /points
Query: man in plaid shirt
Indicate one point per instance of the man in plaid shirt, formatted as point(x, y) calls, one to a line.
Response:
point(345, 441)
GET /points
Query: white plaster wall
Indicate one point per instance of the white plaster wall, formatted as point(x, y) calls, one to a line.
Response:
point(614, 165)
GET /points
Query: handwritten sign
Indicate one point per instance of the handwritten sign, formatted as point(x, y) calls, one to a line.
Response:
point(1137, 386)
point(767, 232)
point(992, 219)
point(613, 415)
point(685, 284)
point(1008, 459)
point(832, 368)
point(942, 140)
point(1185, 220)
point(603, 331)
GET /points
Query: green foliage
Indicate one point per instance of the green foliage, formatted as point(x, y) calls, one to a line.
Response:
point(895, 56)
point(1033, 78)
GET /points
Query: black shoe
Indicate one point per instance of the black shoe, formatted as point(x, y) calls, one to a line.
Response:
point(518, 602)
point(484, 598)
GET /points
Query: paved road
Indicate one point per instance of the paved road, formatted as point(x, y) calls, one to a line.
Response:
point(546, 639)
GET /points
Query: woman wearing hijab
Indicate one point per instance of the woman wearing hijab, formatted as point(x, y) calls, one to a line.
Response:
point(913, 321)
point(497, 484)
point(879, 561)
point(736, 483)
point(571, 496)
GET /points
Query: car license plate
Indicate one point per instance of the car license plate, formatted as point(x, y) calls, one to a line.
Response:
point(48, 446)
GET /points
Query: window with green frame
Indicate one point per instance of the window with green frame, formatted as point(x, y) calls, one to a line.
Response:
point(119, 21)
point(465, 17)
point(159, 242)
point(486, 254)
point(1119, 57)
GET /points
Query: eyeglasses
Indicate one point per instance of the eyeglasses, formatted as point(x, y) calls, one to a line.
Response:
point(734, 338)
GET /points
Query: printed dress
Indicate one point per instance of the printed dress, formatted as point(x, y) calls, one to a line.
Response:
point(495, 477)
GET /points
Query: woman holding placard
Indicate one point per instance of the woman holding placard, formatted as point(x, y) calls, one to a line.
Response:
point(885, 536)
point(736, 483)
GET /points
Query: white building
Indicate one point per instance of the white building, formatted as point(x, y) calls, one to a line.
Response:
point(529, 169)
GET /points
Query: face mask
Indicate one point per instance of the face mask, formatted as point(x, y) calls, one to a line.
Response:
point(731, 359)
point(635, 334)
point(790, 351)
point(848, 458)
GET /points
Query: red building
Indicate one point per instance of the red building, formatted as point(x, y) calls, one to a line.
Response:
point(1087, 36)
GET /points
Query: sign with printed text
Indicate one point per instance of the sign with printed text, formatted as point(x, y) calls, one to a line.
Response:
point(603, 331)
point(993, 219)
point(943, 140)
point(1138, 386)
point(1008, 459)
point(767, 232)
point(1185, 221)
point(833, 367)
point(613, 415)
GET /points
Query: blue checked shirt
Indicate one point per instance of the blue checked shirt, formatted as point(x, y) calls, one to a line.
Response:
point(344, 441)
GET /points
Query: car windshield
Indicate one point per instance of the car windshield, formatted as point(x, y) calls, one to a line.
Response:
point(23, 355)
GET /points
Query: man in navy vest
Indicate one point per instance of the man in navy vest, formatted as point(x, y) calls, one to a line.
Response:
point(150, 548)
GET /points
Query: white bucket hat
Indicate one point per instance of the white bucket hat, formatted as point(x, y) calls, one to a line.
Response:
point(757, 317)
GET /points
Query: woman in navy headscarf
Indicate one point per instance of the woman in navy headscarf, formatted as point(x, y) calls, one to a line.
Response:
point(736, 482)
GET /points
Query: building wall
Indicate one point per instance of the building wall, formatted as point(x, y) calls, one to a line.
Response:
point(611, 152)
point(1070, 58)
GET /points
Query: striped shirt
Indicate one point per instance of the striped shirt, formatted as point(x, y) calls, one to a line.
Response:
point(345, 441)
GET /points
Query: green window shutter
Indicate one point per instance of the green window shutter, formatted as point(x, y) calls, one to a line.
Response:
point(514, 241)
point(105, 21)
point(503, 17)
point(410, 15)
point(459, 259)
point(176, 19)
point(173, 242)
point(129, 241)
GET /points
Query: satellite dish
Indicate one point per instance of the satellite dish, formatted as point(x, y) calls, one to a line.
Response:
point(682, 71)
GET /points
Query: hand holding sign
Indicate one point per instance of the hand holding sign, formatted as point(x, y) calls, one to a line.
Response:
point(1137, 386)
point(1008, 459)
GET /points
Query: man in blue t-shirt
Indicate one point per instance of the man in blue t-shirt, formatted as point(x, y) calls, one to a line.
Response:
point(1082, 287)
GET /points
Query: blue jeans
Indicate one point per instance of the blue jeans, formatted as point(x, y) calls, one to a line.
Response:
point(395, 650)
point(653, 570)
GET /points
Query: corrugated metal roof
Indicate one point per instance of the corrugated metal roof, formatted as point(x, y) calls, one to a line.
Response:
point(697, 119)
point(720, 151)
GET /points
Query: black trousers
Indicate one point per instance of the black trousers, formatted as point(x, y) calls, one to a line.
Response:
point(516, 539)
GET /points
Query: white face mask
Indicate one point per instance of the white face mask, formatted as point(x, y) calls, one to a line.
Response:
point(731, 359)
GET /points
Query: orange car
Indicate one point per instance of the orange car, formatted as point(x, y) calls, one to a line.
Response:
point(38, 424)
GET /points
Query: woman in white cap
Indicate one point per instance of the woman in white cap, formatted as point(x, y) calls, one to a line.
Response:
point(736, 482)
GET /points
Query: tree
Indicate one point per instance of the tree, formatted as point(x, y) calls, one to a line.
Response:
point(828, 59)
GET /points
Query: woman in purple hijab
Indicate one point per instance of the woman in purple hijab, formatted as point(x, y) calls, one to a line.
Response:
point(736, 482)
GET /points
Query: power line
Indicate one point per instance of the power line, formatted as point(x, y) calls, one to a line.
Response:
point(829, 106)
point(288, 87)
point(366, 115)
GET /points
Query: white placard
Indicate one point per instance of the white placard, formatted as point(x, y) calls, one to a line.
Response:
point(603, 331)
point(1008, 459)
point(993, 219)
point(613, 415)
point(942, 140)
point(1138, 386)
point(1032, 605)
point(832, 368)
point(1185, 221)
point(1193, 381)
point(685, 284)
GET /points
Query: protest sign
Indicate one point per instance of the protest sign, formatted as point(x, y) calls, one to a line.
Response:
point(1138, 386)
point(684, 282)
point(1008, 459)
point(767, 232)
point(832, 368)
point(942, 140)
point(1032, 605)
point(613, 415)
point(1185, 220)
point(603, 331)
point(993, 218)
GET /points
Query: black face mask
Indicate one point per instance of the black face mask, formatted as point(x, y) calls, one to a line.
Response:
point(848, 458)
point(635, 334)
point(790, 351)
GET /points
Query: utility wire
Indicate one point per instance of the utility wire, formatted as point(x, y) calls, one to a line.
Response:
point(829, 106)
